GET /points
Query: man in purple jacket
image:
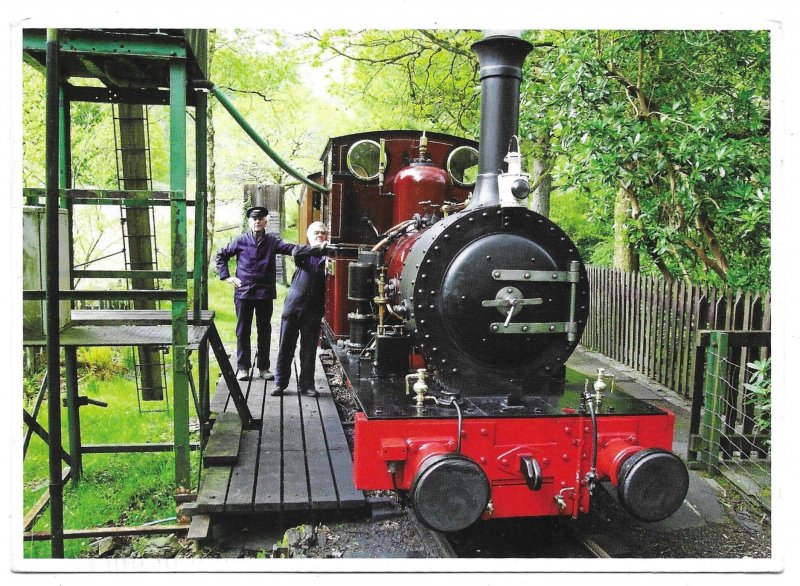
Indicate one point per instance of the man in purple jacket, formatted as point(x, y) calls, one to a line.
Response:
point(254, 285)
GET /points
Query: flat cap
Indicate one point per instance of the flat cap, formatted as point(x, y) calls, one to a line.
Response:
point(257, 212)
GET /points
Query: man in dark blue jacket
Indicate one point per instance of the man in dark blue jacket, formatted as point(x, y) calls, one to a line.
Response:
point(254, 284)
point(302, 314)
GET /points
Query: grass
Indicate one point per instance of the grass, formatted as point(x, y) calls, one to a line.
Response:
point(121, 489)
point(116, 489)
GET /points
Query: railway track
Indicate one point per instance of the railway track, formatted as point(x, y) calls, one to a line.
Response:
point(517, 538)
point(525, 538)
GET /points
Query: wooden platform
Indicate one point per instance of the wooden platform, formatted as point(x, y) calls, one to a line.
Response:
point(134, 327)
point(298, 459)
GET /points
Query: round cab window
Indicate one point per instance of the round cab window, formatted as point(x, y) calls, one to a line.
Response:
point(363, 159)
point(462, 164)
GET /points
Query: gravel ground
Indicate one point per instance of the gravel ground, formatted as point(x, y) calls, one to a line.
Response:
point(745, 533)
point(393, 533)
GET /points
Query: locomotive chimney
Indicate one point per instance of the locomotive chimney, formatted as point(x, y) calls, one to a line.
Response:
point(501, 58)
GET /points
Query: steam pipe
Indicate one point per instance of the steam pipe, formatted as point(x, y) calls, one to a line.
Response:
point(501, 58)
point(223, 99)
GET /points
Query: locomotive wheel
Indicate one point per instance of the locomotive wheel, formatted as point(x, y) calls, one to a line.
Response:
point(652, 484)
point(449, 492)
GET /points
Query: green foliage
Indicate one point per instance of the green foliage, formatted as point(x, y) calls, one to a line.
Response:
point(102, 362)
point(92, 138)
point(571, 211)
point(406, 79)
point(264, 74)
point(680, 121)
point(117, 489)
point(760, 387)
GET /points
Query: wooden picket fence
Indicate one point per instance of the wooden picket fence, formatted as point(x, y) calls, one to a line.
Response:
point(652, 326)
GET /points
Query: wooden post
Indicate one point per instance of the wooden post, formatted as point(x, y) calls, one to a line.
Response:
point(715, 387)
point(271, 197)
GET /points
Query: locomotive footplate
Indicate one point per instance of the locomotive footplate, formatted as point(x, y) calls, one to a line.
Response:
point(385, 397)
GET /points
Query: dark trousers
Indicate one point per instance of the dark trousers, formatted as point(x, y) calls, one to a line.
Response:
point(306, 325)
point(244, 312)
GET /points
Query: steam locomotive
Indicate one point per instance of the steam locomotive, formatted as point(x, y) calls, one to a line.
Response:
point(452, 309)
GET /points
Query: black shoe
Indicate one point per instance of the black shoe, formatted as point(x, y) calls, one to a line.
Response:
point(311, 392)
point(276, 392)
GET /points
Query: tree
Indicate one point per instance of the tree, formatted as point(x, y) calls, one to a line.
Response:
point(265, 74)
point(407, 78)
point(677, 124)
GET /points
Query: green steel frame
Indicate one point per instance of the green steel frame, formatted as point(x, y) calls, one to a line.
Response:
point(44, 49)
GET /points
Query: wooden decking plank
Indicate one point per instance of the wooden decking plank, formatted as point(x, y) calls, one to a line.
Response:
point(268, 478)
point(200, 527)
point(221, 396)
point(334, 433)
point(243, 475)
point(223, 443)
point(320, 476)
point(213, 488)
point(312, 425)
point(292, 423)
point(298, 460)
point(268, 482)
point(295, 482)
point(321, 483)
point(342, 464)
point(255, 396)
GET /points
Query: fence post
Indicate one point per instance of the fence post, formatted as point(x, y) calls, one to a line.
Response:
point(716, 379)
